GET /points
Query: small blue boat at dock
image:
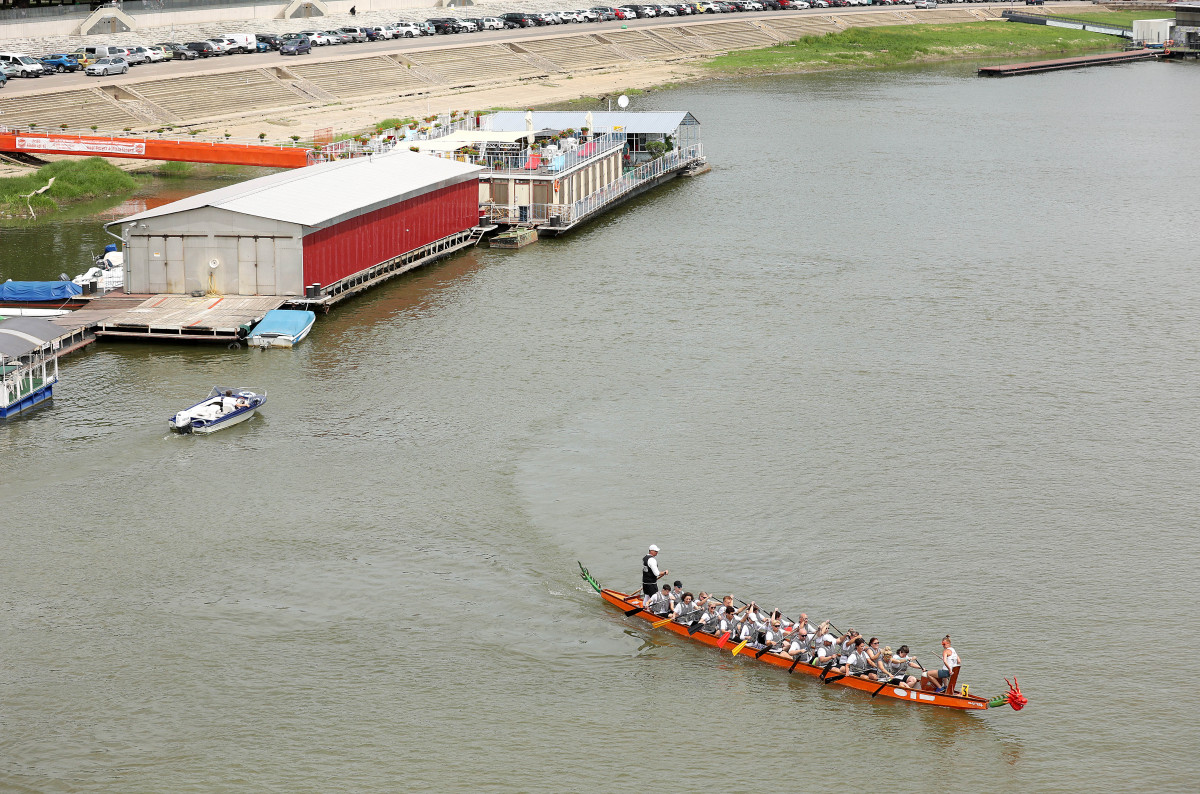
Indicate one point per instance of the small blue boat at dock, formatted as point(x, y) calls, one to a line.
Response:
point(282, 328)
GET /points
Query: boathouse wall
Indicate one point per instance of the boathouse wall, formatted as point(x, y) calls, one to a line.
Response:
point(353, 245)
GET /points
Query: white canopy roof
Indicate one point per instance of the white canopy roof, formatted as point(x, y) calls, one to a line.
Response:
point(322, 195)
point(461, 138)
point(663, 122)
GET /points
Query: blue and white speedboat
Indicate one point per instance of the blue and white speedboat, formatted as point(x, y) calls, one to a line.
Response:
point(282, 328)
point(223, 407)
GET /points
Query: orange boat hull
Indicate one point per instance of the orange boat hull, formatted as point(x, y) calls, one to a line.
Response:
point(627, 601)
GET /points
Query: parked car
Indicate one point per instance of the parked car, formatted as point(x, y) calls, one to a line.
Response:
point(384, 31)
point(318, 38)
point(925, 4)
point(270, 39)
point(338, 37)
point(296, 46)
point(665, 11)
point(407, 30)
point(521, 19)
point(26, 65)
point(220, 46)
point(132, 56)
point(355, 34)
point(445, 25)
point(242, 42)
point(491, 23)
point(3, 77)
point(61, 62)
point(203, 49)
point(7, 72)
point(473, 24)
point(107, 66)
point(425, 28)
point(153, 54)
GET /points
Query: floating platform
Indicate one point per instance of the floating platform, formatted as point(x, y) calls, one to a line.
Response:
point(215, 318)
point(518, 237)
point(1033, 67)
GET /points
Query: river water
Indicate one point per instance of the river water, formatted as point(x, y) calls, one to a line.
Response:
point(918, 355)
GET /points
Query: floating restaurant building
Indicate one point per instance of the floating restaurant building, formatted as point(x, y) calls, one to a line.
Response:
point(556, 169)
point(316, 234)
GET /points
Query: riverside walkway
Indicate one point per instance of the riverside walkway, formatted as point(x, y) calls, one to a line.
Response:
point(188, 94)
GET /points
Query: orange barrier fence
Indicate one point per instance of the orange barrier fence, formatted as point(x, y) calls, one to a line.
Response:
point(155, 149)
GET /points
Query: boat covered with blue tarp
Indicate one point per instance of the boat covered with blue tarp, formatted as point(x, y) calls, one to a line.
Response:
point(35, 291)
point(282, 328)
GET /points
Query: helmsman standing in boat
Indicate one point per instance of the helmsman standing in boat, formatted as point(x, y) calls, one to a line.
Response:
point(650, 573)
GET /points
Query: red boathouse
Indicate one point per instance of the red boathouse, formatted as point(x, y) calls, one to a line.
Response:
point(317, 233)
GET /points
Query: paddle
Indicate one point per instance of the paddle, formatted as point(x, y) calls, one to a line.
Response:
point(739, 647)
point(760, 653)
point(633, 611)
point(834, 678)
point(724, 638)
point(692, 629)
point(793, 667)
point(828, 667)
point(660, 623)
point(884, 685)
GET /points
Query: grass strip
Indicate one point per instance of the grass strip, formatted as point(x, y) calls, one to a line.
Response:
point(74, 180)
point(902, 44)
point(1122, 18)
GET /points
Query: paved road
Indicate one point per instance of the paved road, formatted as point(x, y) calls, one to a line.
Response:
point(233, 63)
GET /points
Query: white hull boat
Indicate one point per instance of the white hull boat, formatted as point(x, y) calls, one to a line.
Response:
point(282, 328)
point(107, 274)
point(222, 408)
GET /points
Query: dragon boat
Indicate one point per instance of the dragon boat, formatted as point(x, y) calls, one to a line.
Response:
point(631, 604)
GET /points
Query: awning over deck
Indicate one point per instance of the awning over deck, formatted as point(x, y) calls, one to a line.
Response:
point(460, 138)
point(20, 336)
point(661, 122)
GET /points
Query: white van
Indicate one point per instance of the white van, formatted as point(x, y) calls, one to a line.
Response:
point(26, 65)
point(89, 55)
point(246, 42)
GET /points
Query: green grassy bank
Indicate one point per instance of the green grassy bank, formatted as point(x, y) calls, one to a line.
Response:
point(901, 44)
point(74, 180)
point(1123, 18)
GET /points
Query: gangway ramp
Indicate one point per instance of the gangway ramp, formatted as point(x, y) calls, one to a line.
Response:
point(212, 318)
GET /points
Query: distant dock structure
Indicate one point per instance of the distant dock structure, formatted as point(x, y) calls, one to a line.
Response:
point(208, 267)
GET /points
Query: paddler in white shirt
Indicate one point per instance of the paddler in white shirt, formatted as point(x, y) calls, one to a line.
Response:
point(937, 680)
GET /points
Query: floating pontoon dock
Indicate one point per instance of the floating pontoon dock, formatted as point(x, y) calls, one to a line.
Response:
point(1033, 67)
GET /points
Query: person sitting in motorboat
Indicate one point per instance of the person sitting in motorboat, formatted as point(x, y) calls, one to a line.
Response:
point(228, 403)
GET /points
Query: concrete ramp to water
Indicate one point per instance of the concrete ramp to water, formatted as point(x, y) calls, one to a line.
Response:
point(214, 318)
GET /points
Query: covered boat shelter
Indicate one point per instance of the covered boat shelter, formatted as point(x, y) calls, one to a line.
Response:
point(677, 129)
point(314, 234)
point(28, 364)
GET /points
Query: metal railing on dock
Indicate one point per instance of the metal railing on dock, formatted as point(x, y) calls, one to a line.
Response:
point(559, 216)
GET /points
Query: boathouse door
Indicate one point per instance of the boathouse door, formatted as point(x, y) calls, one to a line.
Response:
point(265, 272)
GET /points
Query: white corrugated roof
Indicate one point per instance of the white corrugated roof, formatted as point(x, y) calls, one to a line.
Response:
point(663, 122)
point(322, 195)
point(461, 138)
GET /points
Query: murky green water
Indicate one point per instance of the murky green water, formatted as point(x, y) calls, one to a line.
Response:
point(918, 355)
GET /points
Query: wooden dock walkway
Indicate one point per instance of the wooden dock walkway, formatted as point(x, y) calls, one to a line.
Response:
point(214, 318)
point(1033, 67)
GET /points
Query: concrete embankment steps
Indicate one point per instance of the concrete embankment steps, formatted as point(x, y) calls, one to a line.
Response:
point(290, 83)
point(457, 66)
point(576, 53)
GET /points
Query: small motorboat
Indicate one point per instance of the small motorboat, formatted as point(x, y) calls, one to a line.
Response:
point(282, 328)
point(107, 272)
point(223, 407)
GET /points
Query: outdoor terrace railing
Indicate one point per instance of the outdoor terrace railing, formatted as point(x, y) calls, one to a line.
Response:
point(539, 161)
point(566, 214)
